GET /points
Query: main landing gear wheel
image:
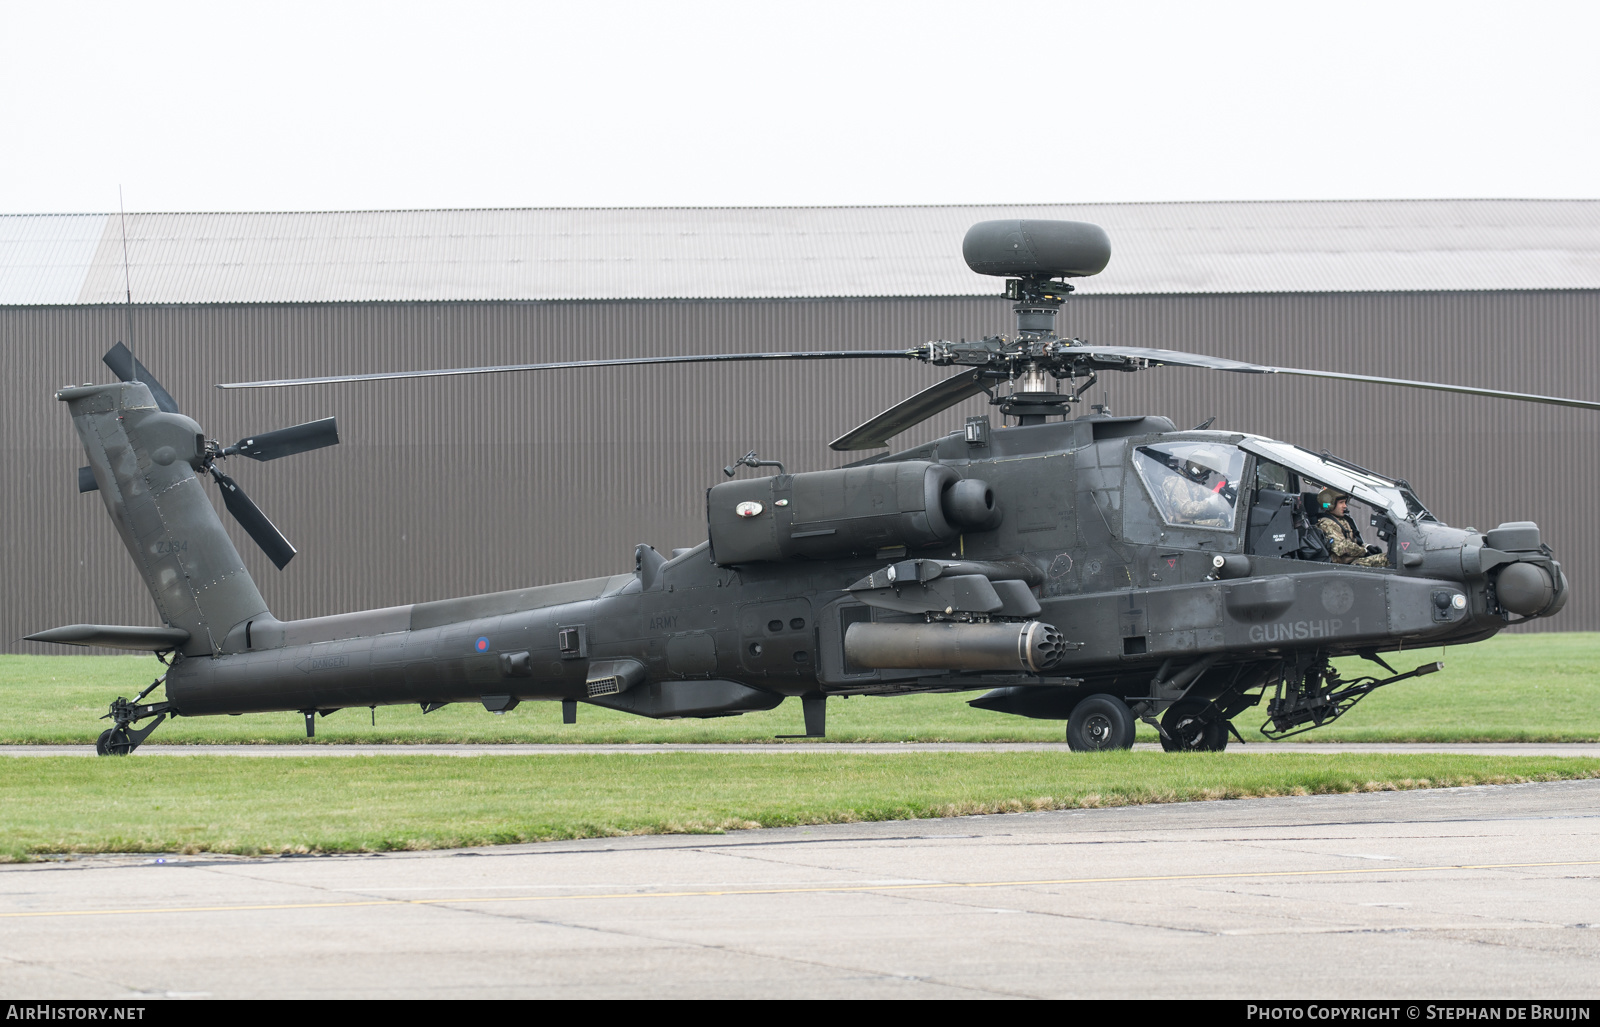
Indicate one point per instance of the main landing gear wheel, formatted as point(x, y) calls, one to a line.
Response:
point(1194, 729)
point(1098, 723)
point(113, 742)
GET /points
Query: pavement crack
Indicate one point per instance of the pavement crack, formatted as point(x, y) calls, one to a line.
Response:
point(67, 971)
point(791, 960)
point(948, 900)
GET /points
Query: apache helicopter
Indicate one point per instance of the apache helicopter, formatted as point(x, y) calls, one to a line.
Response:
point(1095, 569)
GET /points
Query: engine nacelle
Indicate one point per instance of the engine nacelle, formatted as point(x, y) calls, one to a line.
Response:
point(844, 512)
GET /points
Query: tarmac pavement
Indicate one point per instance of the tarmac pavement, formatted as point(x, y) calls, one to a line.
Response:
point(1461, 893)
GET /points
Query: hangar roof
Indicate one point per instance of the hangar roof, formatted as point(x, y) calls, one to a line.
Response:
point(786, 252)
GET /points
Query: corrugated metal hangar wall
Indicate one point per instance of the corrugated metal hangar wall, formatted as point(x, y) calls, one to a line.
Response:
point(453, 486)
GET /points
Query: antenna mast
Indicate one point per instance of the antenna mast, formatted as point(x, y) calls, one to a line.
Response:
point(127, 280)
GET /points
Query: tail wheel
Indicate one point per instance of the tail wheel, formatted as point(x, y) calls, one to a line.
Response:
point(1098, 723)
point(114, 742)
point(1194, 729)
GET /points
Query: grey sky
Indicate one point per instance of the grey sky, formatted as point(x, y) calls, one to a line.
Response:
point(205, 106)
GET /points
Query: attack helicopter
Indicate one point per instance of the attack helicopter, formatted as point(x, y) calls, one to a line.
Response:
point(1097, 569)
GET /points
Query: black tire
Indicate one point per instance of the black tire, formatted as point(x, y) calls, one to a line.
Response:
point(114, 742)
point(1098, 723)
point(1194, 729)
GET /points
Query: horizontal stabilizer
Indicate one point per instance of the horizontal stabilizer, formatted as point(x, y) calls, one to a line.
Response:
point(114, 636)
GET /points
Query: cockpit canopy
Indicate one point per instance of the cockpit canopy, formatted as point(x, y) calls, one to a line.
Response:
point(1394, 497)
point(1196, 482)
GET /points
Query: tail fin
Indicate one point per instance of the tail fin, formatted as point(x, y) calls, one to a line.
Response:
point(145, 462)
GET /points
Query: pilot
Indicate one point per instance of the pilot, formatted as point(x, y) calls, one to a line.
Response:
point(1344, 541)
point(1190, 502)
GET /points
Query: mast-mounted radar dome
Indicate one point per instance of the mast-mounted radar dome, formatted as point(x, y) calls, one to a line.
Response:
point(1036, 249)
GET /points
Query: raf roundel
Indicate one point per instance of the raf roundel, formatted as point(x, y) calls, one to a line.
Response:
point(747, 509)
point(483, 644)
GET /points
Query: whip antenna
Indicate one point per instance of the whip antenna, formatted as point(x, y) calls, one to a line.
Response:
point(127, 279)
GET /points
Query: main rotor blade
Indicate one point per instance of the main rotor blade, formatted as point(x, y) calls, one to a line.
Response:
point(704, 358)
point(1173, 358)
point(302, 438)
point(127, 368)
point(911, 412)
point(255, 523)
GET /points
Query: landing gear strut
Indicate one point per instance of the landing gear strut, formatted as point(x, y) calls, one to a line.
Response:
point(122, 738)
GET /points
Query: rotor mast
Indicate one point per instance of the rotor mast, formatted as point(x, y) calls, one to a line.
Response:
point(1035, 393)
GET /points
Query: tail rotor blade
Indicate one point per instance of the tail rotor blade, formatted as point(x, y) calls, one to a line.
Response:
point(302, 438)
point(255, 523)
point(127, 368)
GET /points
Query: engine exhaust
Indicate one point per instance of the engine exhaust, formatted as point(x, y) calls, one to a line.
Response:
point(1031, 646)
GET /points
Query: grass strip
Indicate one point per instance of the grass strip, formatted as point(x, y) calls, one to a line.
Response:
point(1513, 688)
point(386, 803)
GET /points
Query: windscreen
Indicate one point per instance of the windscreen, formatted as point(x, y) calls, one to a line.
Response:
point(1194, 484)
